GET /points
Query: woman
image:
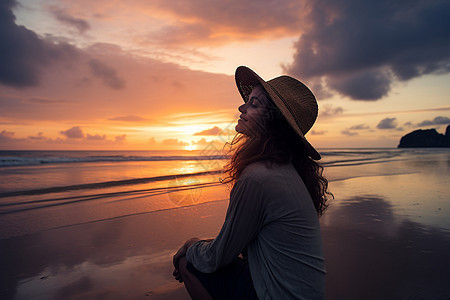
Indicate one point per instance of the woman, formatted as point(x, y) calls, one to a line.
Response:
point(270, 244)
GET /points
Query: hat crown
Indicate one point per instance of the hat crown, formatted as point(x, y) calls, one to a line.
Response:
point(298, 99)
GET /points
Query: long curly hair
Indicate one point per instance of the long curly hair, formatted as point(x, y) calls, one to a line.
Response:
point(276, 142)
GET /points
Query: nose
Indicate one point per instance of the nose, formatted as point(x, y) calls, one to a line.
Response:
point(243, 108)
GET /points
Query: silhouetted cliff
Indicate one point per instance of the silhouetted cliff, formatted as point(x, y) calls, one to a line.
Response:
point(425, 139)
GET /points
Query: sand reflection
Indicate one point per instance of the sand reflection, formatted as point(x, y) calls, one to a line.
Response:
point(372, 254)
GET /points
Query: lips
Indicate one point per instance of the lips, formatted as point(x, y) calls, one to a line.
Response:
point(241, 118)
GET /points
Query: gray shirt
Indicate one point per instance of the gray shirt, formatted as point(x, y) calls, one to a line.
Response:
point(272, 214)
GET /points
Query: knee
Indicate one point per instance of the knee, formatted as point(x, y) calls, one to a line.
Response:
point(186, 275)
point(182, 267)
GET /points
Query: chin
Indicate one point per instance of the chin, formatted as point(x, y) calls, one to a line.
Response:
point(240, 129)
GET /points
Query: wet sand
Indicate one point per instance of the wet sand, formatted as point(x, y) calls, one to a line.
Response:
point(375, 249)
point(123, 258)
point(385, 237)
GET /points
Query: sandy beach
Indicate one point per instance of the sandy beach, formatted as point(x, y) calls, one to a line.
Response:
point(386, 235)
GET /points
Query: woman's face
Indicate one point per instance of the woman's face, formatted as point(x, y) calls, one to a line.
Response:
point(254, 113)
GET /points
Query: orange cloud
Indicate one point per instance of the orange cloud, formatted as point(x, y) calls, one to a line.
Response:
point(195, 22)
point(120, 138)
point(213, 131)
point(129, 118)
point(173, 142)
point(152, 89)
point(199, 22)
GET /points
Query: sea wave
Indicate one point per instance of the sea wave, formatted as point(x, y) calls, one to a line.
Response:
point(13, 161)
point(107, 184)
point(36, 158)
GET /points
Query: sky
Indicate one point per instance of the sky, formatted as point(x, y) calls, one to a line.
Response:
point(153, 75)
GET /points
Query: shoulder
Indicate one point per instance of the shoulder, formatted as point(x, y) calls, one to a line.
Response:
point(262, 172)
point(257, 171)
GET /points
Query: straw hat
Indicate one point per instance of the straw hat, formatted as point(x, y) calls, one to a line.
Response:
point(295, 101)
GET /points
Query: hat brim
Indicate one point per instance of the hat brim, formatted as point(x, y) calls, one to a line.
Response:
point(247, 79)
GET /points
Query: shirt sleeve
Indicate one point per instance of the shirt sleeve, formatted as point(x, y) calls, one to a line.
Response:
point(243, 221)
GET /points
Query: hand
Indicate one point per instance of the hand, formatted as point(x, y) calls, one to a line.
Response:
point(180, 253)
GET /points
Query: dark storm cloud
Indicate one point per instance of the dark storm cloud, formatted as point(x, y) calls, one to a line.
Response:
point(107, 74)
point(22, 52)
point(360, 47)
point(80, 24)
point(369, 85)
point(436, 121)
point(387, 123)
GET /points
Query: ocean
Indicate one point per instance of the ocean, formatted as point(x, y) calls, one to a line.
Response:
point(105, 224)
point(40, 190)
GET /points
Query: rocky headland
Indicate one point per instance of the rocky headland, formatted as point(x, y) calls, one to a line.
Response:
point(425, 138)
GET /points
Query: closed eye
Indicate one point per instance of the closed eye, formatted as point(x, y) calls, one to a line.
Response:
point(255, 102)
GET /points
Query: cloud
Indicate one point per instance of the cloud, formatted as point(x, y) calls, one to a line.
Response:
point(349, 133)
point(202, 142)
point(365, 85)
point(96, 137)
point(39, 136)
point(436, 121)
point(107, 74)
point(329, 111)
point(23, 54)
point(73, 133)
point(129, 118)
point(212, 131)
point(173, 142)
point(61, 15)
point(120, 138)
point(387, 123)
point(76, 133)
point(43, 100)
point(196, 22)
point(359, 127)
point(319, 132)
point(6, 135)
point(360, 48)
